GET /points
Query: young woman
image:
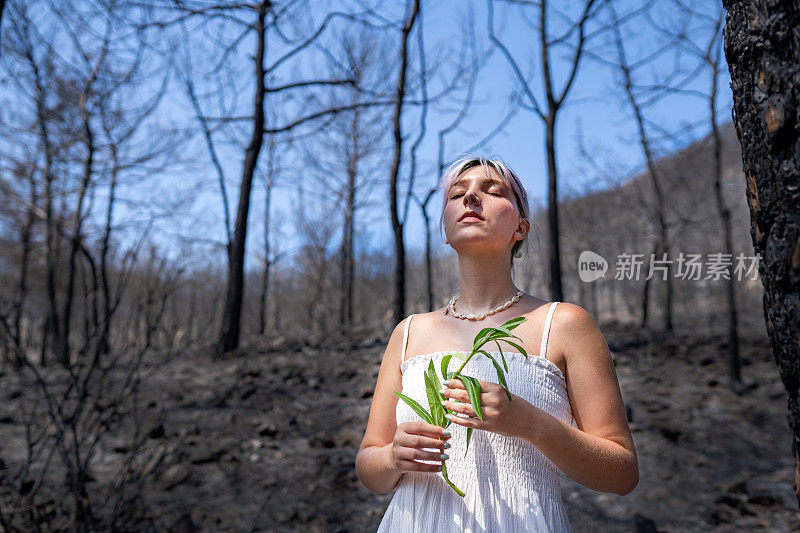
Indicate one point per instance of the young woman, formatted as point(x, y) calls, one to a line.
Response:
point(511, 471)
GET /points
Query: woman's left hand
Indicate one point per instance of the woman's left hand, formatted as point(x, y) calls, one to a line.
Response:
point(499, 414)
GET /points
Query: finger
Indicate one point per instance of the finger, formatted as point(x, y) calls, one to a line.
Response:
point(418, 441)
point(455, 384)
point(459, 395)
point(421, 455)
point(460, 407)
point(474, 423)
point(428, 430)
point(414, 466)
point(417, 457)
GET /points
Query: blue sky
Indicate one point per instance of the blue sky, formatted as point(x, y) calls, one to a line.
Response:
point(594, 115)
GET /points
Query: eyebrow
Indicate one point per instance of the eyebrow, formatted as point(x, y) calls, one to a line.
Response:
point(491, 181)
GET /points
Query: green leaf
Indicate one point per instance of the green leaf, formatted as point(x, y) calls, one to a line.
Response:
point(416, 407)
point(445, 363)
point(485, 332)
point(517, 346)
point(484, 352)
point(503, 357)
point(505, 333)
point(434, 377)
point(514, 322)
point(434, 400)
point(473, 387)
point(469, 435)
point(437, 387)
point(500, 377)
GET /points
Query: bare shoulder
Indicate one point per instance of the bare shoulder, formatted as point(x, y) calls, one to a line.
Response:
point(426, 322)
point(577, 335)
point(572, 317)
point(431, 317)
point(392, 353)
point(395, 344)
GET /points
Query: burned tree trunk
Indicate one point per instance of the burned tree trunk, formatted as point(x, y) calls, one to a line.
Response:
point(397, 225)
point(762, 47)
point(232, 311)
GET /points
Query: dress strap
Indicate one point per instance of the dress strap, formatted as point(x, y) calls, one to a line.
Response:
point(405, 337)
point(546, 332)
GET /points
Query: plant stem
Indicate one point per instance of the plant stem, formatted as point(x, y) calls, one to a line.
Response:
point(467, 359)
point(444, 475)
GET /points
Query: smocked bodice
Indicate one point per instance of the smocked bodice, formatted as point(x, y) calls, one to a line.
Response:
point(509, 484)
point(535, 379)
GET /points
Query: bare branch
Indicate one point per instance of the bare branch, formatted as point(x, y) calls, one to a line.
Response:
point(577, 58)
point(324, 113)
point(308, 83)
point(313, 37)
point(520, 77)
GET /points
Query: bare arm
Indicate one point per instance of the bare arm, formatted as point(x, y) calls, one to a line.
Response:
point(387, 451)
point(373, 462)
point(599, 454)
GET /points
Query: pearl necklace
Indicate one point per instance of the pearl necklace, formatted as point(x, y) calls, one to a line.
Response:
point(480, 316)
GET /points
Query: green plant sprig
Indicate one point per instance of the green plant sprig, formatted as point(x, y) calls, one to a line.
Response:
point(472, 385)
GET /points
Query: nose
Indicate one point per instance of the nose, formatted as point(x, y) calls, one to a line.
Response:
point(471, 197)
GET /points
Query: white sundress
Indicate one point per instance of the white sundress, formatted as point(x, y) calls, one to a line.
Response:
point(510, 486)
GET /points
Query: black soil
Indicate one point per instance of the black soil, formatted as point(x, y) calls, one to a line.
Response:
point(266, 440)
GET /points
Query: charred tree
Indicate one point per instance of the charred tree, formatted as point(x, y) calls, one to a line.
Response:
point(762, 47)
point(397, 225)
point(232, 311)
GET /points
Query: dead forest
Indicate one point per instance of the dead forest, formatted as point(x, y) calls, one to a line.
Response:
point(215, 213)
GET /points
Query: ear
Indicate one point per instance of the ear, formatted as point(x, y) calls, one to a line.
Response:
point(523, 228)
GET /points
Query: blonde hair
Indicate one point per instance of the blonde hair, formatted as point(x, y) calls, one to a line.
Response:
point(508, 176)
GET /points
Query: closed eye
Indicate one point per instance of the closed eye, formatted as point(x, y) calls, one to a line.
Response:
point(492, 193)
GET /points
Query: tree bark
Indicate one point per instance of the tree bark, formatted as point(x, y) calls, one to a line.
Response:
point(763, 54)
point(397, 225)
point(232, 312)
point(556, 287)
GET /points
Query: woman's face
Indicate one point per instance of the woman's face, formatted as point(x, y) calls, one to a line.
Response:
point(499, 224)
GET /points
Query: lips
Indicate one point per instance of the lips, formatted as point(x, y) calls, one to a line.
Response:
point(470, 214)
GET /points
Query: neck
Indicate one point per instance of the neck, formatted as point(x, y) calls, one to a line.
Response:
point(485, 283)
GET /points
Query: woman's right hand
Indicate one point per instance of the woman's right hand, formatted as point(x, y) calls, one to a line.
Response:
point(409, 441)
